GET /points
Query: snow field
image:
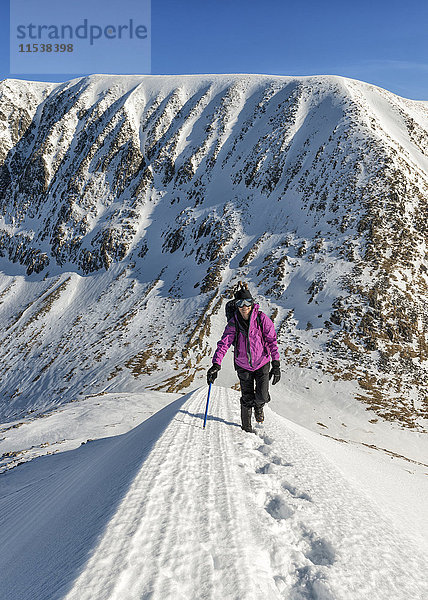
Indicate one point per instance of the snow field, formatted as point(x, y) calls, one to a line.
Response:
point(172, 511)
point(327, 540)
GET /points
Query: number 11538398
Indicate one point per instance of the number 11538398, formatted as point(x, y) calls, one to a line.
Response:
point(46, 48)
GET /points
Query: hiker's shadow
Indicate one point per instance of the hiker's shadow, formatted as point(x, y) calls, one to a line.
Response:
point(209, 418)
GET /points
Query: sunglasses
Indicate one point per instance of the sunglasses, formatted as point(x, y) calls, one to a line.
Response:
point(241, 303)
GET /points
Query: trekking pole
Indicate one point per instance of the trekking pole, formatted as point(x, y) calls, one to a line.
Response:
point(206, 408)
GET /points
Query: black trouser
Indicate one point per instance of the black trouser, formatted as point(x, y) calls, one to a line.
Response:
point(254, 386)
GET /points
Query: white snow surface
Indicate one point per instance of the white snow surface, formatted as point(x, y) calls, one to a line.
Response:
point(164, 509)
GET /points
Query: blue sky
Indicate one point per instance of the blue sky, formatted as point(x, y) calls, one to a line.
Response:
point(378, 41)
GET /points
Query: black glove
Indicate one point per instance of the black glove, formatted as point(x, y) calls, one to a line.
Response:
point(212, 373)
point(275, 372)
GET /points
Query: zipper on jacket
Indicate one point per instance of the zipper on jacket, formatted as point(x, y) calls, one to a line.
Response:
point(249, 357)
point(246, 334)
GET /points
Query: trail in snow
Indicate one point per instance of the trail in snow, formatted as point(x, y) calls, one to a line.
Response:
point(218, 514)
point(183, 530)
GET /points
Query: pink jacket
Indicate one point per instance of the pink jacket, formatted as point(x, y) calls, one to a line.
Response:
point(252, 351)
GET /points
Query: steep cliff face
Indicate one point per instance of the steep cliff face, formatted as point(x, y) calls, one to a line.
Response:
point(129, 206)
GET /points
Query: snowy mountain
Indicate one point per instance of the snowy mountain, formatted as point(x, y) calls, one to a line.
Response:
point(129, 207)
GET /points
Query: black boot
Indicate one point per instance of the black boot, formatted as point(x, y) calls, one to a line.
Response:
point(258, 413)
point(246, 419)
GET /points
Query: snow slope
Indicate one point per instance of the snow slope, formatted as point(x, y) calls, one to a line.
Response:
point(169, 510)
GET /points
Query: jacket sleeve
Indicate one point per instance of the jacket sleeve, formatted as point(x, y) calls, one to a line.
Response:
point(225, 342)
point(269, 335)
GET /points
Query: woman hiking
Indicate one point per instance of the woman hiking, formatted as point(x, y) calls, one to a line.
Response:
point(254, 336)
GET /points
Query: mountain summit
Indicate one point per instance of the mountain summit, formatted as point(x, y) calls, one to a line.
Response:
point(130, 206)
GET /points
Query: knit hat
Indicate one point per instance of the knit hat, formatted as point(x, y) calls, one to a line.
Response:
point(243, 294)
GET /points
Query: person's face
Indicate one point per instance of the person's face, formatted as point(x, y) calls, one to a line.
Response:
point(245, 312)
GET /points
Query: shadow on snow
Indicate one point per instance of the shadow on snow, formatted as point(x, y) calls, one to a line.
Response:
point(54, 509)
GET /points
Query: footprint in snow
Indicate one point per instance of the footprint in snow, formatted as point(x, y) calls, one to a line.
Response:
point(294, 492)
point(264, 449)
point(277, 460)
point(279, 509)
point(321, 551)
point(267, 439)
point(310, 585)
point(267, 469)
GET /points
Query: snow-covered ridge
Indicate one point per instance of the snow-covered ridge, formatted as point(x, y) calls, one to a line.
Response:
point(170, 510)
point(131, 204)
